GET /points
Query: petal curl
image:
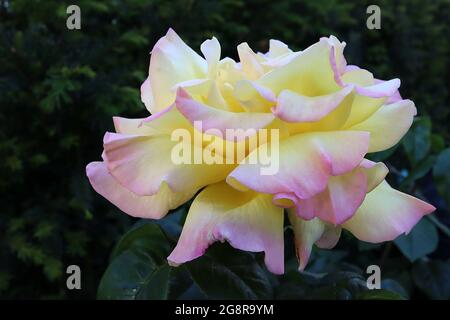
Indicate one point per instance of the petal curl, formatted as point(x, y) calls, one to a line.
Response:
point(308, 233)
point(385, 214)
point(305, 163)
point(293, 107)
point(247, 220)
point(154, 207)
point(142, 163)
point(370, 95)
point(254, 97)
point(147, 94)
point(310, 73)
point(249, 62)
point(277, 48)
point(165, 122)
point(380, 90)
point(172, 61)
point(393, 98)
point(343, 194)
point(388, 124)
point(130, 126)
point(221, 120)
point(211, 50)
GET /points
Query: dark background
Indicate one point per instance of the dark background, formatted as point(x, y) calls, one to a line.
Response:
point(60, 88)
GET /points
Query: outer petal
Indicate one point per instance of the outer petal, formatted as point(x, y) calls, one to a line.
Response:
point(248, 221)
point(380, 90)
point(131, 126)
point(358, 76)
point(211, 118)
point(142, 163)
point(305, 163)
point(312, 232)
point(373, 88)
point(147, 94)
point(385, 214)
point(339, 201)
point(393, 98)
point(293, 107)
point(154, 207)
point(371, 93)
point(165, 122)
point(375, 172)
point(343, 195)
point(388, 125)
point(172, 61)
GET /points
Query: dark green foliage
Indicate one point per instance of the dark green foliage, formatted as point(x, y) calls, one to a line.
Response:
point(138, 270)
point(60, 88)
point(228, 274)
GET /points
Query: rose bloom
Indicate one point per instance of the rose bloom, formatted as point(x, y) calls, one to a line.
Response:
point(329, 116)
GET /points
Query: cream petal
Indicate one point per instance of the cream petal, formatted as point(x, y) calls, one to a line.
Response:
point(385, 214)
point(247, 220)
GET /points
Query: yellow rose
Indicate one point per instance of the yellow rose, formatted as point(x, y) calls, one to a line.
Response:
point(327, 116)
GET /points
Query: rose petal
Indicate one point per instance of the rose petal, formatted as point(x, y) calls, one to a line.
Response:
point(371, 94)
point(143, 163)
point(130, 126)
point(388, 125)
point(211, 118)
point(393, 98)
point(310, 232)
point(277, 48)
point(254, 97)
point(305, 163)
point(211, 50)
point(293, 107)
point(154, 207)
point(247, 220)
point(385, 214)
point(166, 121)
point(310, 73)
point(343, 194)
point(172, 61)
point(250, 64)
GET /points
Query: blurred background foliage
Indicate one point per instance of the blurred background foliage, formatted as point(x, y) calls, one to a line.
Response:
point(60, 88)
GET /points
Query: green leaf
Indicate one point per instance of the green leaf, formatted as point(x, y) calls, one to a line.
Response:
point(340, 285)
point(417, 142)
point(138, 269)
point(181, 285)
point(422, 240)
point(433, 278)
point(420, 170)
point(326, 260)
point(134, 275)
point(441, 173)
point(437, 143)
point(394, 286)
point(379, 294)
point(225, 273)
point(146, 236)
